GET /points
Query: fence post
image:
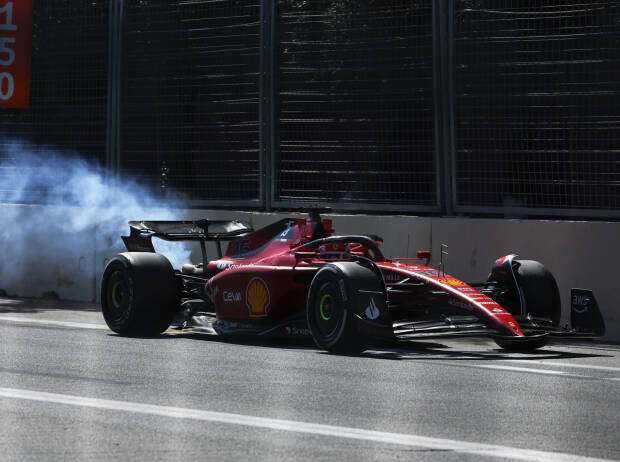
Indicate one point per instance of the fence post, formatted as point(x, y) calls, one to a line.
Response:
point(274, 113)
point(114, 87)
point(443, 89)
point(110, 122)
point(266, 100)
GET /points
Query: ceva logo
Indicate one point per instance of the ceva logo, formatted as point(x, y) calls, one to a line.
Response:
point(229, 296)
point(372, 312)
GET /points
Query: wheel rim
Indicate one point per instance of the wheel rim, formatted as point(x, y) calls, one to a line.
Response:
point(117, 294)
point(325, 307)
point(116, 297)
point(328, 311)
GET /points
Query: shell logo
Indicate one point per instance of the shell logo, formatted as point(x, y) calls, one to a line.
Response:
point(257, 297)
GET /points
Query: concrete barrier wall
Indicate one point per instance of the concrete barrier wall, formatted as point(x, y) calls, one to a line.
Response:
point(579, 254)
point(39, 255)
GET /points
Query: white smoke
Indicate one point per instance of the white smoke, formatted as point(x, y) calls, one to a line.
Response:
point(80, 215)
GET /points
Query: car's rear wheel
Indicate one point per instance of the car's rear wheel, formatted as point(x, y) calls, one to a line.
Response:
point(330, 312)
point(139, 294)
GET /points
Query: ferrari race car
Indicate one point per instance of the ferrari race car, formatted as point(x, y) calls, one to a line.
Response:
point(295, 278)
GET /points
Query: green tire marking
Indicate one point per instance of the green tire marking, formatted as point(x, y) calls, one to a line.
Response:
point(325, 317)
point(115, 300)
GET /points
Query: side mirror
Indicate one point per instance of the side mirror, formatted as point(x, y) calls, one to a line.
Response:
point(424, 254)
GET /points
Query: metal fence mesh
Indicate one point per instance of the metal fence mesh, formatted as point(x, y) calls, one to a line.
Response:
point(537, 89)
point(356, 102)
point(68, 85)
point(536, 101)
point(190, 96)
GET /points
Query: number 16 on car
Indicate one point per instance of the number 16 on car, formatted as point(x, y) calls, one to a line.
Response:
point(15, 52)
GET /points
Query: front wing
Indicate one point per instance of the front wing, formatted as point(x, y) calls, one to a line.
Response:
point(586, 322)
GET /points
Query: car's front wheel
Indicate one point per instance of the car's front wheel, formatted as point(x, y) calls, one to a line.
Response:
point(330, 307)
point(542, 300)
point(139, 294)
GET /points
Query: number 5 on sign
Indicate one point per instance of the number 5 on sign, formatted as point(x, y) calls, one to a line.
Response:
point(15, 52)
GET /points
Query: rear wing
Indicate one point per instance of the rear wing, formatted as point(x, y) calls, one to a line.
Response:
point(141, 233)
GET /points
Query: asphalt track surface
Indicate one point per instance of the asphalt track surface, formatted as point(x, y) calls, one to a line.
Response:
point(72, 390)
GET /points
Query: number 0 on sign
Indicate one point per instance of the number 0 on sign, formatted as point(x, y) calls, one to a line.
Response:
point(15, 52)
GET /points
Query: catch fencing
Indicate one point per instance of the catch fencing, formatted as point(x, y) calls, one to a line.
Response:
point(478, 107)
point(68, 91)
point(190, 98)
point(537, 106)
point(355, 104)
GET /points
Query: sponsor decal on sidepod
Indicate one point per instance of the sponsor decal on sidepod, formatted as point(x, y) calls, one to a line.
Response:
point(257, 297)
point(229, 296)
point(372, 311)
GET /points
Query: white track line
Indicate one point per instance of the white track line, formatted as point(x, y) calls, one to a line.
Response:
point(401, 439)
point(554, 363)
point(46, 322)
point(528, 369)
point(533, 371)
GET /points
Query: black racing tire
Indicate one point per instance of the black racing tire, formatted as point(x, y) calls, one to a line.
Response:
point(139, 294)
point(521, 346)
point(540, 290)
point(330, 317)
point(542, 300)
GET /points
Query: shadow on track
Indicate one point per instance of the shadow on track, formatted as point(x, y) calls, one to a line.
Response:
point(423, 352)
point(37, 305)
point(399, 351)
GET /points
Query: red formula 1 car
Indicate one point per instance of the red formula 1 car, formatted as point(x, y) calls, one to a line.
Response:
point(295, 278)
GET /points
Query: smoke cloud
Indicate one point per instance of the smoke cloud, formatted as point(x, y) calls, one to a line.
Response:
point(75, 226)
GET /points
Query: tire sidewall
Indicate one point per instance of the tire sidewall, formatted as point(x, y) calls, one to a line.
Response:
point(347, 338)
point(118, 324)
point(540, 290)
point(327, 275)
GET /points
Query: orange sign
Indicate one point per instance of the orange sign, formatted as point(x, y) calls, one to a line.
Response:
point(15, 52)
point(257, 297)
